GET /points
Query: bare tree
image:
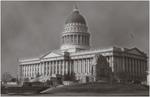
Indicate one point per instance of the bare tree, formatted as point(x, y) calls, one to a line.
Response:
point(6, 77)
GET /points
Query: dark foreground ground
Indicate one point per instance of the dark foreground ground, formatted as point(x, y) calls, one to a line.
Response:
point(96, 89)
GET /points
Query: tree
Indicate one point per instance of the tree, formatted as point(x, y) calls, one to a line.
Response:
point(14, 79)
point(6, 77)
point(123, 76)
point(26, 79)
point(69, 77)
point(38, 75)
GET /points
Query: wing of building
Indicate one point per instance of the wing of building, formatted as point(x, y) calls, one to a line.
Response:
point(75, 57)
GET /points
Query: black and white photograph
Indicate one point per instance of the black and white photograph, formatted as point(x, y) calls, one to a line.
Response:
point(75, 48)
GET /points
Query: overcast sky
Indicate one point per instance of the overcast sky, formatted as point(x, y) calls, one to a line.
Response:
point(30, 29)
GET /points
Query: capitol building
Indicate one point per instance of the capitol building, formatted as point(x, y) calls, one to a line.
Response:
point(75, 56)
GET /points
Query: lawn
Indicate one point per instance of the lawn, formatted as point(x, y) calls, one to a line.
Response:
point(95, 89)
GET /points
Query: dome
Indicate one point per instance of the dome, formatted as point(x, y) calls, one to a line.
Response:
point(75, 17)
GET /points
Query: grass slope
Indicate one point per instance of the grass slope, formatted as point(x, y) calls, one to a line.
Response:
point(101, 88)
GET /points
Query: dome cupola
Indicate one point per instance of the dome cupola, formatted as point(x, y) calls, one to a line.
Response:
point(75, 36)
point(75, 17)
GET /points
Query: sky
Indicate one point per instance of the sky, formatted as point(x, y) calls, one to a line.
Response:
point(32, 28)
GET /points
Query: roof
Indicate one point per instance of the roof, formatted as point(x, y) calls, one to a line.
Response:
point(75, 17)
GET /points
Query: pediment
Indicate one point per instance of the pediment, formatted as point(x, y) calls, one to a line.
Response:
point(52, 54)
point(135, 51)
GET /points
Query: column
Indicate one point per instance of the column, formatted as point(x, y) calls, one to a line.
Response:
point(126, 65)
point(83, 65)
point(27, 70)
point(66, 39)
point(138, 71)
point(112, 63)
point(81, 40)
point(71, 66)
point(46, 68)
point(66, 67)
point(23, 70)
point(31, 70)
point(79, 66)
point(42, 65)
point(56, 67)
point(143, 66)
point(20, 71)
point(77, 63)
point(136, 67)
point(73, 39)
point(49, 68)
point(145, 69)
point(129, 65)
point(75, 66)
point(77, 39)
point(133, 66)
point(39, 69)
point(69, 62)
point(139, 68)
point(59, 66)
point(69, 41)
point(63, 67)
point(59, 70)
point(52, 68)
point(88, 40)
point(85, 40)
point(35, 70)
point(86, 66)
